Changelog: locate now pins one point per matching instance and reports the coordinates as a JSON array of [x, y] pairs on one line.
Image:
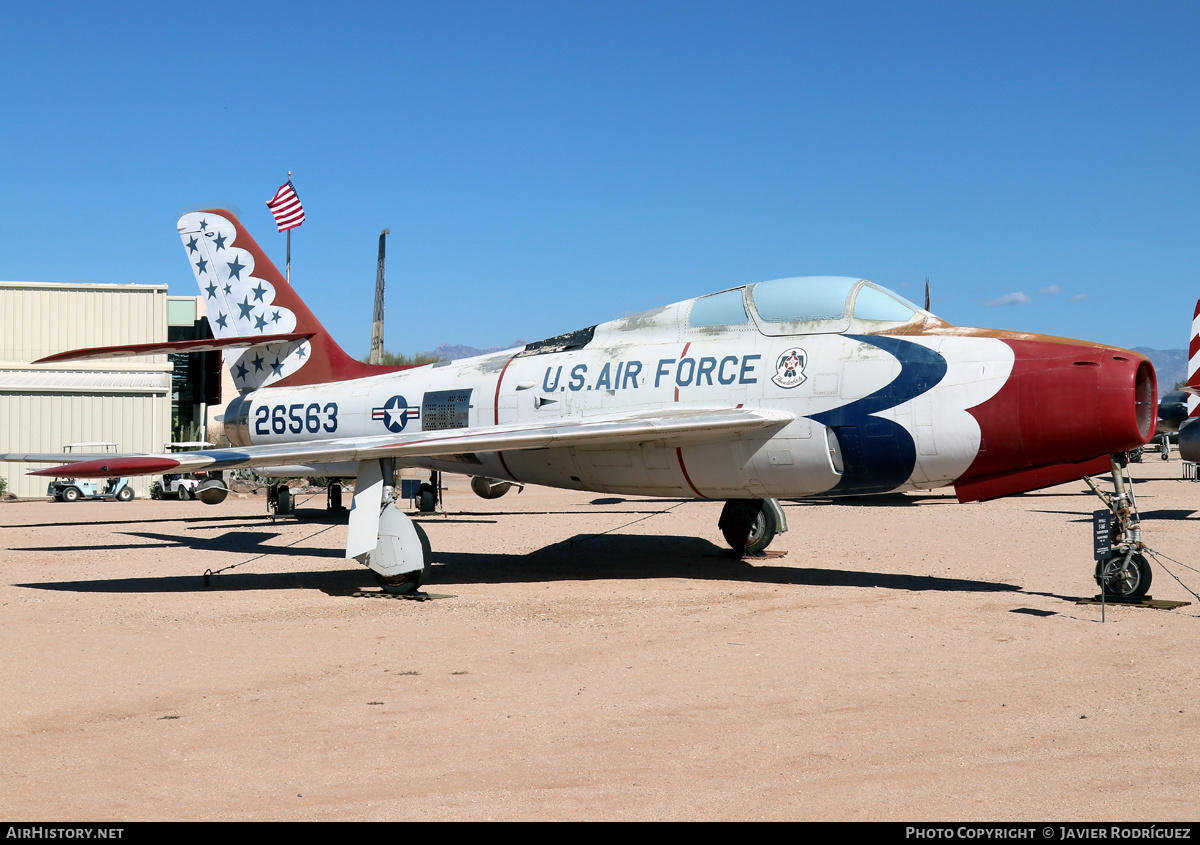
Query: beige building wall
[[46, 406]]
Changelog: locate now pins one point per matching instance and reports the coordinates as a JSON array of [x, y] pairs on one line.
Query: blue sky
[[545, 166]]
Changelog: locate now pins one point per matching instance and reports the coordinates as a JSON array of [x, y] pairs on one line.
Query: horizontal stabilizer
[[135, 349]]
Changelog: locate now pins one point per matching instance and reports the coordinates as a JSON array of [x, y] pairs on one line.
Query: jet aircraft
[[779, 389], [1172, 412], [1184, 405]]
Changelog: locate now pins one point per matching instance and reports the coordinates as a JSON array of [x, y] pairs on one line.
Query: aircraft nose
[[1065, 403]]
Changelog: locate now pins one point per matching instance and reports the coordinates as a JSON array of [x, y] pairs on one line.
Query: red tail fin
[[248, 297], [1193, 371]]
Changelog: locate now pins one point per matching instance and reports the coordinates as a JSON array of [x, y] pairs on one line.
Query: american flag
[[285, 205]]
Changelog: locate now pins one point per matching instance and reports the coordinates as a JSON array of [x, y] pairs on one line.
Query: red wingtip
[[110, 468]]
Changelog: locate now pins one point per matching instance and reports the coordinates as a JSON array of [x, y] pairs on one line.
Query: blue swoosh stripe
[[878, 454]]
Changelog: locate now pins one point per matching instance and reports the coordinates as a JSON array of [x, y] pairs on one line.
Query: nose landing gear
[[1122, 571]]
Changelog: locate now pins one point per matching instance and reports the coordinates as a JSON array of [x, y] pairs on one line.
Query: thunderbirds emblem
[[789, 369]]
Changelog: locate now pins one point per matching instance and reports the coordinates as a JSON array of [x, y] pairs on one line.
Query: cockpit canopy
[[805, 305], [800, 305]]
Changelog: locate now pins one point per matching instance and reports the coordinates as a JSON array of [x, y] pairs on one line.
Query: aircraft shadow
[[334, 582], [592, 558], [1173, 514], [873, 501], [249, 542], [187, 520], [639, 558]]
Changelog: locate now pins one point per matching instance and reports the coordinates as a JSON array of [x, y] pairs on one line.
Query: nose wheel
[[1124, 581]]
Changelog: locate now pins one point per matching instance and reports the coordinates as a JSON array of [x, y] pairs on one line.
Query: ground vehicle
[[74, 489], [182, 486]]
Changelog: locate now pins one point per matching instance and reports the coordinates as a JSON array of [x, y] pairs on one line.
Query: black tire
[[71, 494], [426, 548], [1130, 585], [747, 525], [183, 494], [125, 494], [400, 585], [426, 498], [408, 582]]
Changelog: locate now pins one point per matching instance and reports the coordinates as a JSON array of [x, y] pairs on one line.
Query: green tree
[[393, 359]]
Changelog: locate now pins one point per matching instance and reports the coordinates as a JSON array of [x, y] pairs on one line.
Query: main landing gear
[[749, 525], [395, 551], [382, 537], [1125, 574]]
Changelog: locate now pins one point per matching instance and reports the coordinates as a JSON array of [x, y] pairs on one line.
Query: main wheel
[[125, 494], [1132, 583], [748, 527], [426, 498], [400, 585], [71, 494]]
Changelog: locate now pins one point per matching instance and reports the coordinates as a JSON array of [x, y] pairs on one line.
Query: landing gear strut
[[749, 525], [429, 495], [383, 537], [1125, 574]]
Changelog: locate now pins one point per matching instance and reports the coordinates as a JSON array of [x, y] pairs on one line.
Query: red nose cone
[[1065, 403]]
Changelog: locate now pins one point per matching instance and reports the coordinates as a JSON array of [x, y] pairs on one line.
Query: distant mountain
[[453, 353], [1169, 364]]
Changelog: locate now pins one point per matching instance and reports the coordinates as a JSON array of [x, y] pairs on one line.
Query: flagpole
[[289, 245], [288, 213]]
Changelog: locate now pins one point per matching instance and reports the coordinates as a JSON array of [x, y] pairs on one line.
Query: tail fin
[[247, 297], [1193, 370]]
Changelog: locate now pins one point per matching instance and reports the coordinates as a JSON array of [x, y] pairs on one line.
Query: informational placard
[[1102, 534]]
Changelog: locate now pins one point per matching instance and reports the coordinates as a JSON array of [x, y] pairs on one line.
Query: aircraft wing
[[688, 426]]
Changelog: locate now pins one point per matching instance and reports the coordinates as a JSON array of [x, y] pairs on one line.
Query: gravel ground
[[907, 659]]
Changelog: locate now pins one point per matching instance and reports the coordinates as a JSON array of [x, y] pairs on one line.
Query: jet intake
[[1064, 404]]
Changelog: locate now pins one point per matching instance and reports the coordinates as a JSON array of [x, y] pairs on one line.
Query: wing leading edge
[[692, 426]]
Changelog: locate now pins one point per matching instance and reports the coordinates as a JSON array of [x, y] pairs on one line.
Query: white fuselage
[[657, 361]]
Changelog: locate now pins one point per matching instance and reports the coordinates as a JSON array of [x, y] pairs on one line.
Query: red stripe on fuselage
[[683, 355], [686, 477]]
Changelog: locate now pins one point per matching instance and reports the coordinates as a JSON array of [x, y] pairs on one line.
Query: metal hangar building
[[128, 401]]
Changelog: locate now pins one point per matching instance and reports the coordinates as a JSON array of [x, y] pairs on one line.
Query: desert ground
[[598, 657]]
